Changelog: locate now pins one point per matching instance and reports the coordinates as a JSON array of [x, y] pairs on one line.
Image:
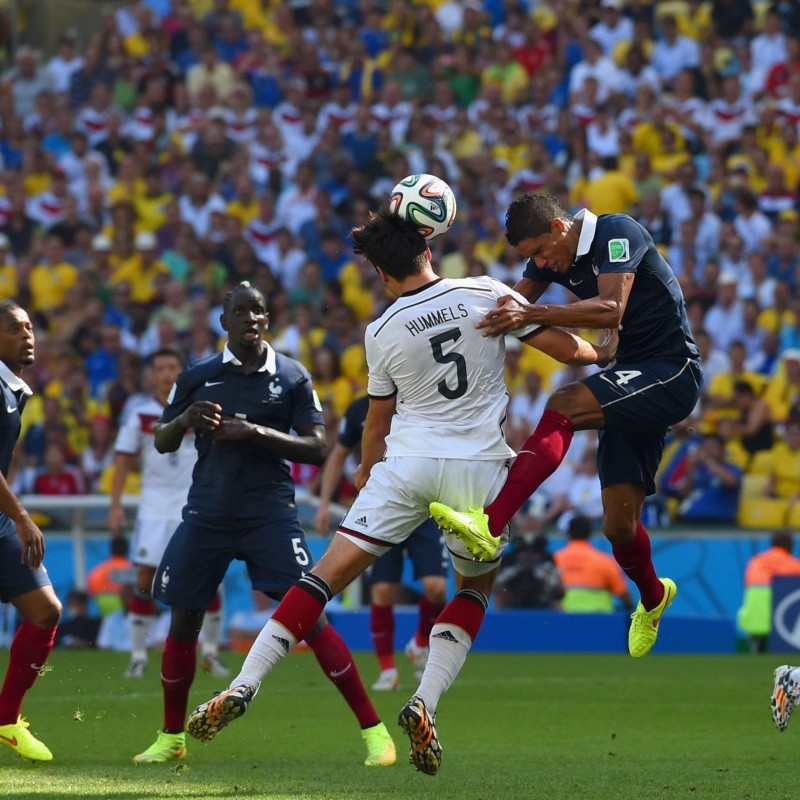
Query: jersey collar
[[588, 229], [14, 382], [228, 357]]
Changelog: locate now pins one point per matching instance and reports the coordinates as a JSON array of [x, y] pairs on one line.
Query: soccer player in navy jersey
[[23, 579], [242, 405], [621, 280]]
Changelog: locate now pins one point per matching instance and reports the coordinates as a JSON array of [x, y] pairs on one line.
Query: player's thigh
[[426, 549], [151, 534], [648, 395], [391, 505], [388, 568], [276, 554], [16, 578], [629, 457], [193, 566], [470, 484]]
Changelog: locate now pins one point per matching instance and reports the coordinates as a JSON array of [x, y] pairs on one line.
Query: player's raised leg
[[30, 648]]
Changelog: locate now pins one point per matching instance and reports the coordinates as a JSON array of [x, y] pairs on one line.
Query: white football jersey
[[166, 477], [451, 392]]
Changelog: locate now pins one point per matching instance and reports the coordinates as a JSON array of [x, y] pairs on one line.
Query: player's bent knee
[[617, 530], [185, 625]]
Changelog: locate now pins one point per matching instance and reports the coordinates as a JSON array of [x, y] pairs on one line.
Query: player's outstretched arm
[[571, 349], [603, 311], [124, 464], [376, 429]]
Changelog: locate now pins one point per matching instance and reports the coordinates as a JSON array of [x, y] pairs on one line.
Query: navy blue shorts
[[16, 578], [640, 402], [196, 559], [425, 547]]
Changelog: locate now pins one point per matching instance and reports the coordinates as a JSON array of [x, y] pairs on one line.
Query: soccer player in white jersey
[[165, 483], [434, 429]]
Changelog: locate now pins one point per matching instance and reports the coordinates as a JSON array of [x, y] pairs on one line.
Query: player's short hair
[[167, 351], [392, 243], [7, 307], [532, 215], [242, 286]]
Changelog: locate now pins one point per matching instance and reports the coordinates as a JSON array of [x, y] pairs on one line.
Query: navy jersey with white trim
[[237, 482], [655, 324]]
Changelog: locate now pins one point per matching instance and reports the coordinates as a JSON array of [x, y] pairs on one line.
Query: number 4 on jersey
[[625, 375]]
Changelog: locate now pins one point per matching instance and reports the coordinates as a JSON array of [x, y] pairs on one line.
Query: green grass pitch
[[549, 727]]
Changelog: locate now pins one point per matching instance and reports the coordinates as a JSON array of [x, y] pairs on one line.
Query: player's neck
[[414, 282]]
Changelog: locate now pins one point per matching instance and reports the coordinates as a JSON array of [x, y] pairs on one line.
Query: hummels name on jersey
[[438, 317]]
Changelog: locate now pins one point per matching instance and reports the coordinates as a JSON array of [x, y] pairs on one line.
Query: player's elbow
[[612, 313]]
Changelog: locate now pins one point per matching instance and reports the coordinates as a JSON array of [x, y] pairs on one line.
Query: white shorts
[[150, 537], [395, 500]]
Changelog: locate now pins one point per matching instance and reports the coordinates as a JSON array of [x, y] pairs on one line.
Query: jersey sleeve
[[306, 408], [129, 438], [621, 246], [501, 290], [379, 385], [180, 398], [351, 426]]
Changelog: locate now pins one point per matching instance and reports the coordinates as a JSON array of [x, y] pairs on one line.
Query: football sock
[[177, 673], [428, 614], [293, 620], [635, 559], [381, 629], [451, 638], [538, 459], [337, 663], [27, 655], [211, 632], [141, 615]]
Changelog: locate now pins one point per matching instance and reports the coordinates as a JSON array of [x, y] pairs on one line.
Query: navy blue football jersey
[[655, 324], [238, 482], [351, 428]]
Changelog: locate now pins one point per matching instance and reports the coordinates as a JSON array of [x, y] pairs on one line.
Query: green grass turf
[[549, 727]]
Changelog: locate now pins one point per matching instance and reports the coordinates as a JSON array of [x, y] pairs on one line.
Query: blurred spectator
[[57, 477], [592, 580], [111, 581], [77, 628], [755, 420], [755, 615], [709, 488]]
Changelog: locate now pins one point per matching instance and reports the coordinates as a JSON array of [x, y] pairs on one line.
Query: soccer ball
[[426, 201]]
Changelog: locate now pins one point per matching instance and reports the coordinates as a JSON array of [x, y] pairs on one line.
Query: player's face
[[246, 319], [166, 370], [551, 250], [16, 339]]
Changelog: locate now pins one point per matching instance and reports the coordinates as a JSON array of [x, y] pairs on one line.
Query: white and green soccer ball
[[426, 201]]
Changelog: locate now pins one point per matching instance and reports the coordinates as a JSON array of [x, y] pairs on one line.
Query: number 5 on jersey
[[451, 335]]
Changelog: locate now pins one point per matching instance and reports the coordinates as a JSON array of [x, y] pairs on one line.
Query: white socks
[[270, 646], [449, 647], [210, 634], [140, 625]]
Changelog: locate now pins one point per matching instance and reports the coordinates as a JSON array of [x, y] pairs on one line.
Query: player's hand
[[360, 478], [203, 415], [32, 542], [322, 519], [507, 316], [607, 348], [231, 429], [116, 518]]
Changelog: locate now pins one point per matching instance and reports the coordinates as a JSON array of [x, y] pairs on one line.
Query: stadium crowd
[[185, 146]]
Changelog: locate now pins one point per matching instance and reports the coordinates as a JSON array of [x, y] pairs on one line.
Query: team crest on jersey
[[619, 250], [275, 389]]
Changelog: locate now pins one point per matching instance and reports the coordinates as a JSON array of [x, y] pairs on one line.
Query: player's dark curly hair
[[391, 243], [531, 215], [7, 307]]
